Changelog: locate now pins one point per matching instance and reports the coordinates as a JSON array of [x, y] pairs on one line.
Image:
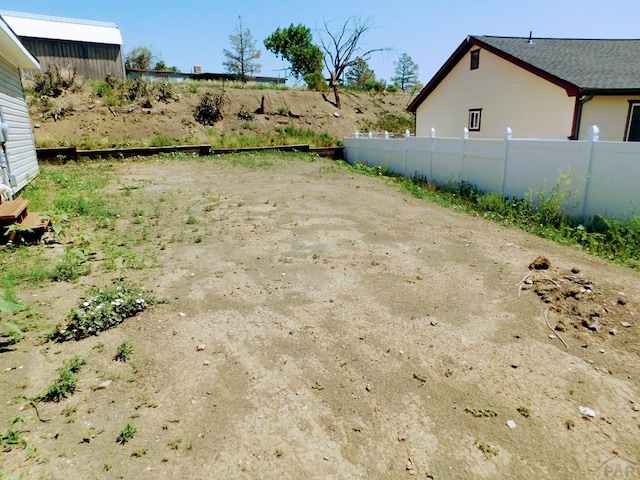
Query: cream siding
[[508, 95], [609, 113], [21, 153]]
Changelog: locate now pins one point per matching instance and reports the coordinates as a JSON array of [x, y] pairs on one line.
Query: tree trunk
[[336, 94]]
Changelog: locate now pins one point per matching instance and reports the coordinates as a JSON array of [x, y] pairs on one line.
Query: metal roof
[[60, 28], [12, 50]]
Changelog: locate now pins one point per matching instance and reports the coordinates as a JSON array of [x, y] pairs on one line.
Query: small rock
[[575, 270], [622, 301], [402, 438], [200, 347], [336, 114], [594, 325], [511, 424], [182, 314], [636, 408], [601, 350], [206, 363], [560, 327], [528, 281], [433, 322], [613, 331], [552, 336], [625, 324], [104, 384], [588, 412]]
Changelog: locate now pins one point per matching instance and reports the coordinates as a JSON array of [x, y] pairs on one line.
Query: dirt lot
[[323, 324]]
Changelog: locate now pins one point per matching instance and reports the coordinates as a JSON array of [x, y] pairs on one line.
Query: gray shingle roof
[[585, 63]]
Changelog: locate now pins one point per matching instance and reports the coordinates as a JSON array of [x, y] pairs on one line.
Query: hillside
[[97, 116]]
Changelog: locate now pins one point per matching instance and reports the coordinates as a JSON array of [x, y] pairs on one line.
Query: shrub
[[55, 80], [245, 114], [209, 110], [316, 81], [165, 92]]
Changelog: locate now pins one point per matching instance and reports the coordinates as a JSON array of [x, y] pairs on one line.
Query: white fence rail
[[604, 177]]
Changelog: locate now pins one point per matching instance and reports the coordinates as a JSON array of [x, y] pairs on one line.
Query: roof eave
[[609, 91], [13, 50], [451, 62]]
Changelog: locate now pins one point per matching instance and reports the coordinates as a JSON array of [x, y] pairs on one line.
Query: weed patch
[[103, 308]]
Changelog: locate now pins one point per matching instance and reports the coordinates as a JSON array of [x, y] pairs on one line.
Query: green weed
[[124, 351], [12, 437], [66, 382], [488, 450], [126, 434]]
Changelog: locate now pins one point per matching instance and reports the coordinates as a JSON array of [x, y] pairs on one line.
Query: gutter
[[577, 115]]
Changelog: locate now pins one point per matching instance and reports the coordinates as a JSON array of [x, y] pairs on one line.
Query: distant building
[[20, 164], [172, 76], [94, 49]]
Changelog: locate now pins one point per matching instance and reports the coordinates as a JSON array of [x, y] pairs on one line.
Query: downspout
[[577, 120]]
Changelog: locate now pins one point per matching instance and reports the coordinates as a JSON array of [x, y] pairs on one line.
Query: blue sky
[[188, 32]]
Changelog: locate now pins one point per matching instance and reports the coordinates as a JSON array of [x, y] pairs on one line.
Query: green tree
[[139, 58], [406, 73], [360, 76], [241, 60], [161, 65], [295, 45], [342, 49]]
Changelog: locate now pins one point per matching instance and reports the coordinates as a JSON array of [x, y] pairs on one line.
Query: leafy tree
[[161, 65], [241, 60], [342, 49], [295, 45], [406, 73], [139, 58], [360, 76]]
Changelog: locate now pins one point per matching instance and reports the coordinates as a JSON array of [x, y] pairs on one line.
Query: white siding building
[[22, 163]]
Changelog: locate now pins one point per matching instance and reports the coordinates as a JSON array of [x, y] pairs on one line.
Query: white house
[[19, 151]]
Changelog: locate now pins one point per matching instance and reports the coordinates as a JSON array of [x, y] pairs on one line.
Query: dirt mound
[[579, 305], [84, 119]]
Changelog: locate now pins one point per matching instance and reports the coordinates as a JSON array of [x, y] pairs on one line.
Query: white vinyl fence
[[599, 178]]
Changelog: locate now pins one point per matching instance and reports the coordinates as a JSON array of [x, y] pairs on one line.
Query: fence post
[[465, 137], [432, 136], [406, 151], [594, 136], [508, 135]]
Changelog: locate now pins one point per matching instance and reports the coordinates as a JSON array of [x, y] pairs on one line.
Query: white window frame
[[475, 119]]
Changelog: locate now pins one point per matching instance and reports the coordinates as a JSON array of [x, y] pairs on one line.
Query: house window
[[475, 115], [633, 122], [475, 59]]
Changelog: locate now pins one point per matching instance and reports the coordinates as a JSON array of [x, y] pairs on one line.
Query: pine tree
[[360, 76], [406, 72], [241, 60]]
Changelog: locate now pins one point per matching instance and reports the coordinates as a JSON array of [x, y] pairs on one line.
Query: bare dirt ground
[[330, 326]]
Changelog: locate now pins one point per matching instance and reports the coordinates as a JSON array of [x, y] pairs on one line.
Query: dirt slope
[[76, 118]]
